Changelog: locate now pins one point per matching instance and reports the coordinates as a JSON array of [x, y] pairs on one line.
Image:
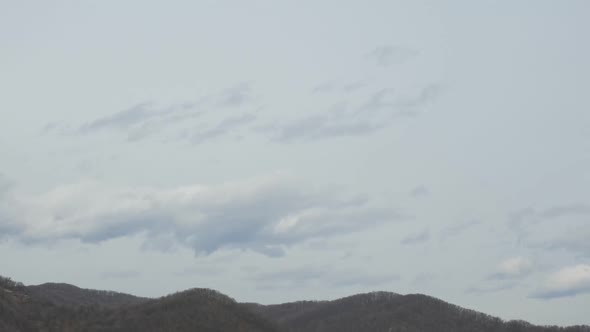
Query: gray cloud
[[566, 211], [420, 191], [5, 184], [319, 127], [416, 238], [140, 121], [391, 55], [378, 111], [235, 96], [9, 224], [519, 221], [147, 119], [569, 281], [426, 95], [221, 128], [527, 225], [508, 274], [456, 229], [122, 120], [575, 242], [265, 215]]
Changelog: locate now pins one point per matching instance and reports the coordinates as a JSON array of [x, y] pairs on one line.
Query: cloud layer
[[569, 281], [536, 228], [353, 112], [377, 111], [511, 268], [147, 119], [265, 215]]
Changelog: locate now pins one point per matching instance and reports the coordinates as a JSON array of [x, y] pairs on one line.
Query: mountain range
[[66, 308]]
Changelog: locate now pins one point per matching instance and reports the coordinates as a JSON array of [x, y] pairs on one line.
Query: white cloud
[[265, 214], [513, 268], [569, 281]]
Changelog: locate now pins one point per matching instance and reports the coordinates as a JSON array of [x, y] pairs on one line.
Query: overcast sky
[[287, 150]]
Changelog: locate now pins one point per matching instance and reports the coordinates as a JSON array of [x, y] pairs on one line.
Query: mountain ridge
[[64, 307]]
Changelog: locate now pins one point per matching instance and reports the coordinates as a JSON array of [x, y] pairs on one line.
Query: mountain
[[192, 310], [68, 295], [390, 312], [66, 308]]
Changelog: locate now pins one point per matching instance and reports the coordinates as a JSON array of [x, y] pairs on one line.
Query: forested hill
[[72, 296], [66, 308], [22, 310], [389, 312]]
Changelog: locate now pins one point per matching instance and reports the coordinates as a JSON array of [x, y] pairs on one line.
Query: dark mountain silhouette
[[67, 308], [68, 295], [389, 312]]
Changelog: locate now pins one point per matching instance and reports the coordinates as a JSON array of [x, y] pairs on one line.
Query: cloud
[[516, 267], [147, 119], [521, 218], [124, 119], [318, 127], [565, 211], [222, 128], [456, 229], [426, 95], [392, 55], [507, 275], [380, 110], [420, 191], [575, 242], [193, 119], [324, 87], [234, 96], [138, 122], [334, 276], [536, 228], [519, 221], [569, 281], [9, 220], [265, 215], [5, 184], [416, 238]]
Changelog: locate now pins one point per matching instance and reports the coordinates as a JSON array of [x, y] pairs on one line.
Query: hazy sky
[[287, 150]]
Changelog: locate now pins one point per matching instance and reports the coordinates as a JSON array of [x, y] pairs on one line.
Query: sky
[[288, 150]]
